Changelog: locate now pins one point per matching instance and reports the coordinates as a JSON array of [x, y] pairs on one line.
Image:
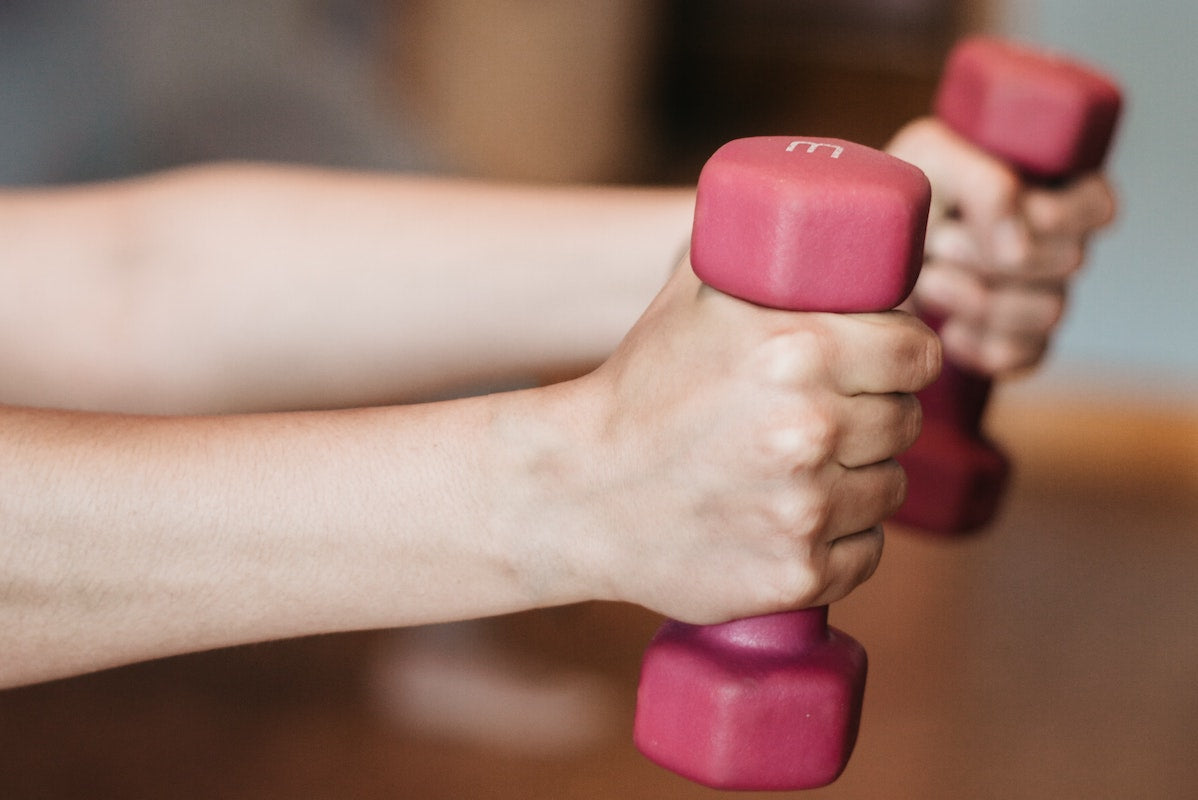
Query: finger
[[1051, 259], [965, 179], [851, 560], [881, 353], [1004, 248], [863, 497], [877, 427], [949, 240], [990, 353], [1036, 259], [847, 550], [994, 306], [947, 290], [1028, 312], [1075, 210]]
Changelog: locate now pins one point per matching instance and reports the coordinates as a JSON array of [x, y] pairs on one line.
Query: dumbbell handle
[[958, 396]]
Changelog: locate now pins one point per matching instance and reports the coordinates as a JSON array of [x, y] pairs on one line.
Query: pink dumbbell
[[1051, 119], [773, 702]]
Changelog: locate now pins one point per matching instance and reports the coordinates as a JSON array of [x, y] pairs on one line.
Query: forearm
[[128, 538], [245, 287], [725, 461]]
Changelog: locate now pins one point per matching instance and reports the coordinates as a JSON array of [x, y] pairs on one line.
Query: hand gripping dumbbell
[[773, 702], [1051, 119]]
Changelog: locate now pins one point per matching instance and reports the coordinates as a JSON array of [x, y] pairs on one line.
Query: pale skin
[[1000, 254], [721, 460]]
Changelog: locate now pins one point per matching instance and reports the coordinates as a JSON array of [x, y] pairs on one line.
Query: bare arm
[[726, 460], [244, 287]]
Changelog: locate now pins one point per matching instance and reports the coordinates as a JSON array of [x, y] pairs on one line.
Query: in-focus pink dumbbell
[[1051, 119], [773, 702]]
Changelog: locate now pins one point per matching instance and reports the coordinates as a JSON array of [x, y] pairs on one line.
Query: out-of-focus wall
[[93, 89], [551, 90], [646, 90], [1132, 327]]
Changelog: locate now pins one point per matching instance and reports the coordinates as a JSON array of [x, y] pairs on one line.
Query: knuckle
[[795, 516], [801, 446], [794, 357], [995, 190], [793, 568], [820, 432], [796, 583], [1047, 212]]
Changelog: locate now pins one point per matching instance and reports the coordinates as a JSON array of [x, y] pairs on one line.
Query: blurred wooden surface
[[1052, 657]]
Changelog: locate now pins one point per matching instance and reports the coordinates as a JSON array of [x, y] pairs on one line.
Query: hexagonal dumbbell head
[[773, 702], [1050, 118], [809, 224], [1046, 115], [767, 703]]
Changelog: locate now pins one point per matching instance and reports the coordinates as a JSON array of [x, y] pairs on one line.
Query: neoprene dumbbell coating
[[1050, 118], [802, 224]]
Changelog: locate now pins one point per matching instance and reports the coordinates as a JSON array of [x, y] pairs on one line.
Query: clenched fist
[[743, 457], [1000, 252]]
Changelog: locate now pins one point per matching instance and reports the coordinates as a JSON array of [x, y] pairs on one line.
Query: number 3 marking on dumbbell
[[813, 146]]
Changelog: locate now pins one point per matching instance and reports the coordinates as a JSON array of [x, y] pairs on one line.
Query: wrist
[[550, 511]]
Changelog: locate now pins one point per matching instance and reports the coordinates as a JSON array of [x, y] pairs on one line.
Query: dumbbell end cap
[[810, 224], [1048, 115], [749, 718]]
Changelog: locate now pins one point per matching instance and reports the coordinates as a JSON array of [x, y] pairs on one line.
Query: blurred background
[[1051, 657], [625, 90]]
